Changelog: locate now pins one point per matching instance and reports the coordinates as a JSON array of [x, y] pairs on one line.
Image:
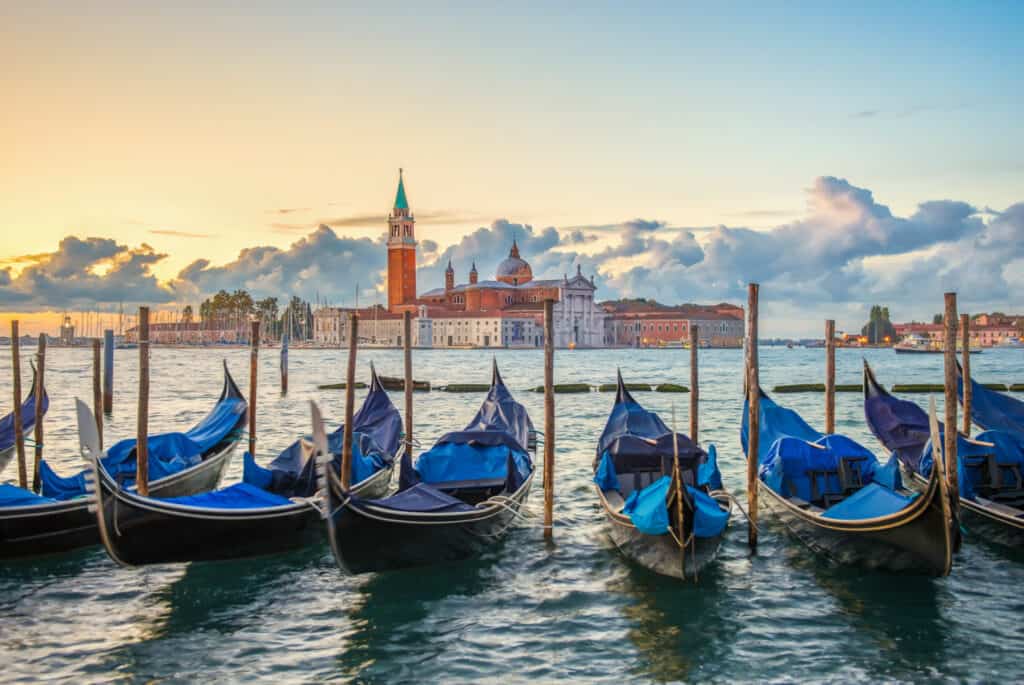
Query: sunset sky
[[843, 156]]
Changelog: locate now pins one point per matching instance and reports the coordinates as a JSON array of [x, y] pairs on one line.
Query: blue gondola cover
[[28, 418], [13, 496], [871, 501], [237, 496], [648, 510], [993, 410]]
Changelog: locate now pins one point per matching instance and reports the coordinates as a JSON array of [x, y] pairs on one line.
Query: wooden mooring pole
[[142, 424], [350, 400], [965, 337], [753, 414], [40, 391], [284, 364], [694, 384], [830, 376], [408, 384], [19, 429], [97, 390], [549, 419], [254, 376], [950, 319], [108, 371]]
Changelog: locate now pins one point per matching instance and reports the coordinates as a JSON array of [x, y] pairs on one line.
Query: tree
[[186, 314], [878, 327], [937, 319]]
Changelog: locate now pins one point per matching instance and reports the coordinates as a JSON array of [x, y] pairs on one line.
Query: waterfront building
[[631, 323]]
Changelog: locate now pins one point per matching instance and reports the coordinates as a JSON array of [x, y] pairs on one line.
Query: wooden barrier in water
[[753, 413], [19, 429], [549, 418], [254, 375], [350, 400], [142, 423], [950, 319], [965, 332], [108, 371], [830, 376], [409, 384], [97, 390]]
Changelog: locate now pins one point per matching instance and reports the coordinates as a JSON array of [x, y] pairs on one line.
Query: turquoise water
[[527, 611]]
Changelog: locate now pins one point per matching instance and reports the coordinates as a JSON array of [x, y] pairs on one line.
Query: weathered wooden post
[[108, 371], [549, 418], [40, 391], [19, 429], [694, 384], [350, 400], [254, 374], [965, 333], [284, 364], [753, 414], [830, 376], [950, 319], [408, 385], [97, 390], [142, 425]]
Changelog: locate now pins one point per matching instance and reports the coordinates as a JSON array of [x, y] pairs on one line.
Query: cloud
[[321, 263], [178, 234], [85, 273]]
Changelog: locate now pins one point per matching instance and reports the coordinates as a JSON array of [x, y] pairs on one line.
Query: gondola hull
[[63, 526], [138, 530], [915, 540], [661, 553], [987, 522], [367, 539]]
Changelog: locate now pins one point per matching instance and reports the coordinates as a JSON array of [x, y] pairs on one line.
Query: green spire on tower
[[400, 201]]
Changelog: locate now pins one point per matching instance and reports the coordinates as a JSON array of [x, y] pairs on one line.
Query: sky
[[842, 156]]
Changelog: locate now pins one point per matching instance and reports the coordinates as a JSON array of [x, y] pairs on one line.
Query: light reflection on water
[[526, 610]]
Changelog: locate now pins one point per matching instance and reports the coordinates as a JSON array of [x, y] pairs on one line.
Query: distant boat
[[1013, 343], [916, 344]]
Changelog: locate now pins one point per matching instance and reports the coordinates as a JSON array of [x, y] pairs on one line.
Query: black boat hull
[[918, 539], [661, 553], [1004, 529], [137, 531], [64, 526], [366, 539]]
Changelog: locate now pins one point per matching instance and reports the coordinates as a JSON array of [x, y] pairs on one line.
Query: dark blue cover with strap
[[492, 447], [900, 425], [28, 416], [169, 453], [376, 436], [990, 409], [798, 461]]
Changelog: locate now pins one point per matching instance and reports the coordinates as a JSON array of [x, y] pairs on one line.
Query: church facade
[[505, 311]]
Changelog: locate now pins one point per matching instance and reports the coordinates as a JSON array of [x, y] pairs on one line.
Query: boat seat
[[825, 493], [802, 503], [851, 477]]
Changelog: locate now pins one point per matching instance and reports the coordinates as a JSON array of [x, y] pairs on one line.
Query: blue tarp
[[377, 433], [491, 447], [169, 453], [993, 410], [28, 417], [237, 496], [900, 425], [423, 498], [453, 462], [605, 476], [13, 496], [789, 449], [871, 501], [973, 467], [648, 510]]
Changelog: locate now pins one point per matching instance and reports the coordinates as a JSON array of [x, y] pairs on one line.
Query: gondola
[[835, 496], [635, 478], [180, 464], [28, 422], [272, 510], [989, 465], [991, 409], [461, 497]]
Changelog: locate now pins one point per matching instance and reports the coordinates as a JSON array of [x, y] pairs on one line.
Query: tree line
[[233, 310]]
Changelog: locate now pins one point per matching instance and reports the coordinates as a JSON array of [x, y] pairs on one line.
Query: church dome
[[514, 270]]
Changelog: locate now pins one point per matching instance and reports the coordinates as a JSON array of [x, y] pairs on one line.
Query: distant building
[[631, 323], [986, 331], [67, 331]]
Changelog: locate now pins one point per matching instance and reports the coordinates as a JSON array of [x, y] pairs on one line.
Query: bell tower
[[401, 251]]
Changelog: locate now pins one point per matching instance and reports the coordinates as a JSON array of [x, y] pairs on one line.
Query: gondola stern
[[231, 389]]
